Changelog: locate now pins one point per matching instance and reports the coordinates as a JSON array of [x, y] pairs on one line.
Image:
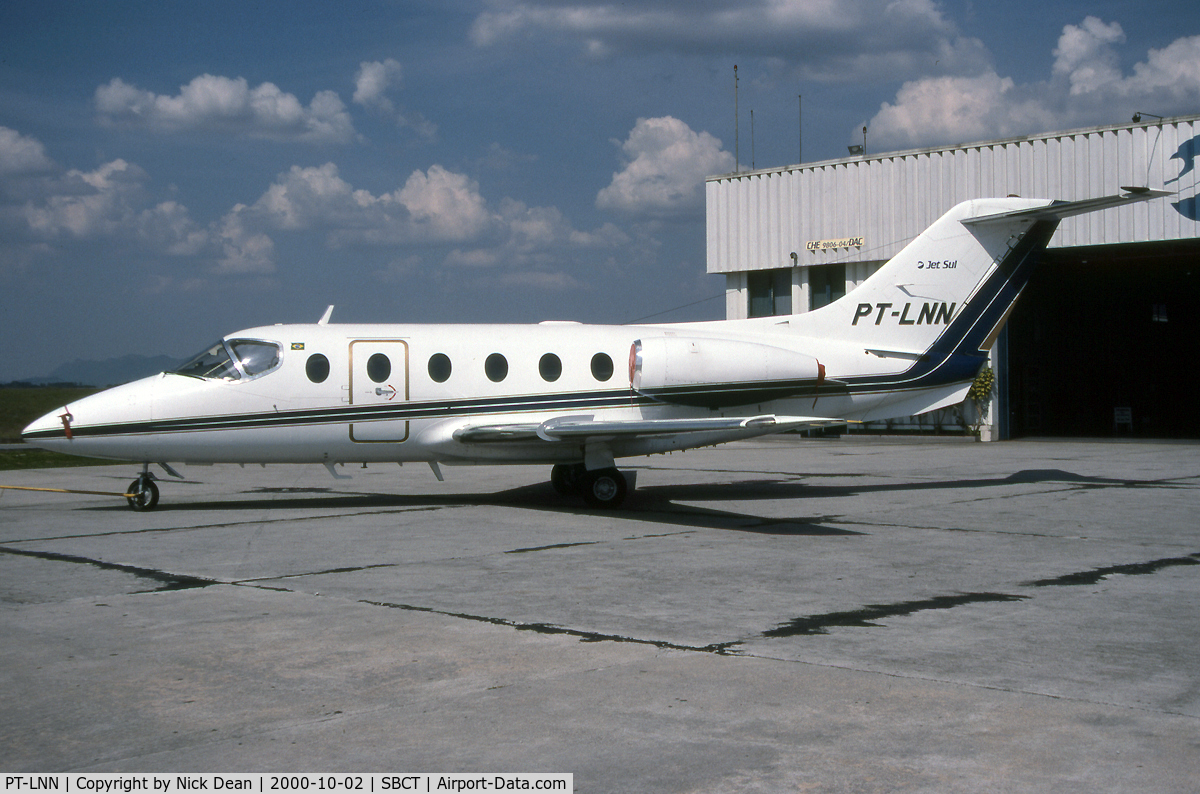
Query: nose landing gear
[[143, 493]]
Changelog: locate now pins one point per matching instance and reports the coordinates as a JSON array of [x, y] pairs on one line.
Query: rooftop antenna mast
[[800, 128], [736, 149]]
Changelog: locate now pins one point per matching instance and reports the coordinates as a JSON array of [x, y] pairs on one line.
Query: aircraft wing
[[582, 428]]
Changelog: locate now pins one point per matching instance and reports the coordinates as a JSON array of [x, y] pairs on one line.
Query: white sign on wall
[[830, 245]]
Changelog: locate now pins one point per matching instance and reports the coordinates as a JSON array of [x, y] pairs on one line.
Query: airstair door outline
[[378, 379]]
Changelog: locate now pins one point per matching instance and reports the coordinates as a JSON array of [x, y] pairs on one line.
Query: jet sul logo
[[1187, 154]]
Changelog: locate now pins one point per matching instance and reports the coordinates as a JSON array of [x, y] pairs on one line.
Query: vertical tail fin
[[951, 289]]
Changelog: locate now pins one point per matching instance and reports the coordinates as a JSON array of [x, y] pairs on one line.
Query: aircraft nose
[[51, 430], [93, 425]]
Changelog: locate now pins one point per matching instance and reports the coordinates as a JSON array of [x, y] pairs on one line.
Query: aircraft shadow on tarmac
[[660, 504]]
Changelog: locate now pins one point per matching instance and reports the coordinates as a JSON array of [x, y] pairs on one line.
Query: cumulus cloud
[[168, 226], [665, 166], [434, 208], [443, 205], [243, 251], [89, 203], [373, 81], [849, 40], [110, 203], [1085, 57], [437, 205], [20, 154], [372, 84], [434, 211], [1084, 86], [957, 109], [227, 105]]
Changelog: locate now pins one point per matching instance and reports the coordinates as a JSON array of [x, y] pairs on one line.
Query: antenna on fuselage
[[325, 317]]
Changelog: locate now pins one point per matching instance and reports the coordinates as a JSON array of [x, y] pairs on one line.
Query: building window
[[770, 292], [826, 283]]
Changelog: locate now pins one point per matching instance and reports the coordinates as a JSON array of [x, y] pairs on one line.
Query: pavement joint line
[[858, 618], [862, 616], [348, 569], [719, 649], [1096, 575], [227, 524], [170, 581]]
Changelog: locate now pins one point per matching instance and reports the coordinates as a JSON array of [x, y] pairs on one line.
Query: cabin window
[[439, 367], [602, 366], [379, 367], [317, 368], [496, 367], [550, 367]]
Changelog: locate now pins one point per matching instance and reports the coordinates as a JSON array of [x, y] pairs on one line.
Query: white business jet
[[910, 339]]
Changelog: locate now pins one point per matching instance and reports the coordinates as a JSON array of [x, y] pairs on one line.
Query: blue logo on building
[[1187, 154]]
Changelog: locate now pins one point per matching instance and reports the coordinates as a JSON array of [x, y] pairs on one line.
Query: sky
[[173, 172]]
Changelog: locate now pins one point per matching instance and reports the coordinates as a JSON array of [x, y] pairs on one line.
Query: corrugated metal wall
[[756, 220]]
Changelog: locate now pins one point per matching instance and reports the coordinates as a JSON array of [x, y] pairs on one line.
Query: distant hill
[[109, 372]]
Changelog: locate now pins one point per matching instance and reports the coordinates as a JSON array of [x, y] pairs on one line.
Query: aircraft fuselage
[[368, 393]]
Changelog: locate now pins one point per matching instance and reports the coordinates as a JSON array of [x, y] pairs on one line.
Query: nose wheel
[[143, 493]]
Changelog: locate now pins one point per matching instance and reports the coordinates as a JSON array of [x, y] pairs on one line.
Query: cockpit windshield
[[233, 360], [255, 358]]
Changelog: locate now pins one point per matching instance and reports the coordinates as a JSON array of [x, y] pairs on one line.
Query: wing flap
[[582, 428]]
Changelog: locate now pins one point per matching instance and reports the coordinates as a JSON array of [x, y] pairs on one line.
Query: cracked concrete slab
[[771, 615]]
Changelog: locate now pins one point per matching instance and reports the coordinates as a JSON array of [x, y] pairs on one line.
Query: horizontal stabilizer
[[905, 354], [1065, 209]]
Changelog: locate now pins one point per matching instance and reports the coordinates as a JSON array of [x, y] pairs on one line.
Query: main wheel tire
[[566, 477], [604, 488], [145, 494]]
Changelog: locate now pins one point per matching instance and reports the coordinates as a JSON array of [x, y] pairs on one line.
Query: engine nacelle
[[715, 373]]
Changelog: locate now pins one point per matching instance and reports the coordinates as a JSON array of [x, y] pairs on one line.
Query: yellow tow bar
[[66, 490]]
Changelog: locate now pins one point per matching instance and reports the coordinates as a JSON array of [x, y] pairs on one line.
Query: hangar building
[[1104, 339]]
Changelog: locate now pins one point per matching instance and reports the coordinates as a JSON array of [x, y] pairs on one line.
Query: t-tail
[[938, 305]]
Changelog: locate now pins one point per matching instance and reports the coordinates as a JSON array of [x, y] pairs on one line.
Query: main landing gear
[[600, 488]]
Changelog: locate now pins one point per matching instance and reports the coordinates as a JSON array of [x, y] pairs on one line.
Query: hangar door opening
[[1104, 342]]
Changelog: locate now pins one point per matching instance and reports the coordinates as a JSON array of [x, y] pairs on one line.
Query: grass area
[[34, 458], [21, 405]]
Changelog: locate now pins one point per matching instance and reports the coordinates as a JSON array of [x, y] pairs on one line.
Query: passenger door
[[379, 379]]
